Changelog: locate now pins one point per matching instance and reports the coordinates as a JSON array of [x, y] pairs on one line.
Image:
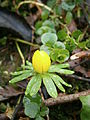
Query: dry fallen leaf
[[7, 92]]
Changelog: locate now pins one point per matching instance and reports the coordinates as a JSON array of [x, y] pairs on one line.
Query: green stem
[[25, 42], [20, 53], [68, 32]]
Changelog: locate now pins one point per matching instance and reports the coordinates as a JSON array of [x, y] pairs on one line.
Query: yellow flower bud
[[41, 61]]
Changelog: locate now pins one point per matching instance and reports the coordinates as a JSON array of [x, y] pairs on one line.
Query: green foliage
[[59, 45], [44, 111], [51, 89], [70, 44], [51, 3], [3, 40], [62, 35], [45, 29], [48, 79], [49, 39], [58, 9], [31, 109], [33, 85], [45, 15], [57, 79], [59, 69], [34, 108], [85, 112], [46, 49], [57, 82], [78, 2], [88, 43], [68, 18], [21, 77], [82, 44], [76, 33], [59, 55], [54, 48], [3, 107], [68, 7], [49, 24], [38, 24], [39, 118]]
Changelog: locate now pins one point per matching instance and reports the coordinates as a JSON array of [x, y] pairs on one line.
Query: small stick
[[65, 98], [77, 77], [78, 64], [42, 96], [35, 3], [43, 100], [17, 108]]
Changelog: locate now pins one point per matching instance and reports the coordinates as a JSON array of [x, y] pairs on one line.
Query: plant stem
[[20, 53], [68, 32], [35, 3], [25, 42]]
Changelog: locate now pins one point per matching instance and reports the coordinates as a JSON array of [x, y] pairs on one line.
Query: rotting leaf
[[7, 92]]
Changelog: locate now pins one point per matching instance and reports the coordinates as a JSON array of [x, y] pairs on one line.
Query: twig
[[65, 98], [17, 108], [20, 53], [42, 96], [85, 13], [77, 77], [35, 3], [84, 61]]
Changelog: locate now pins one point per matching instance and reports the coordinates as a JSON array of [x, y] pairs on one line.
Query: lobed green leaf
[[67, 7], [45, 29], [31, 108], [59, 45], [59, 55], [49, 38]]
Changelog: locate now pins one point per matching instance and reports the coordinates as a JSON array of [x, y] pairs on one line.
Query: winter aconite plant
[[41, 70]]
